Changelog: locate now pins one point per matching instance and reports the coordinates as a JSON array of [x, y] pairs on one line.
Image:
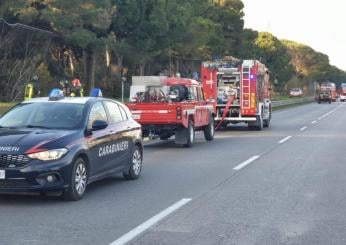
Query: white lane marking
[[303, 128], [313, 122], [284, 139], [330, 112], [150, 222], [247, 162]]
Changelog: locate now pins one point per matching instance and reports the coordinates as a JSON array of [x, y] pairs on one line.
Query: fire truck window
[[154, 94], [200, 94], [192, 93], [180, 91]]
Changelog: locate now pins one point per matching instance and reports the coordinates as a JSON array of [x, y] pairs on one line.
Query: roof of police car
[[71, 100]]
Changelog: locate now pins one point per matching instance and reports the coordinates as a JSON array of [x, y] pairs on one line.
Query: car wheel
[[78, 181], [136, 165], [190, 134], [209, 130]]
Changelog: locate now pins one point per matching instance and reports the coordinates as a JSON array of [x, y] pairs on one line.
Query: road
[[282, 185]]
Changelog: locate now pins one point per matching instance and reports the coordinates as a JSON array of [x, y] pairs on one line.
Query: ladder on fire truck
[[245, 87]]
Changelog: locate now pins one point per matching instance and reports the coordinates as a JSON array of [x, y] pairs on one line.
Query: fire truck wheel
[[258, 125], [266, 123], [190, 134], [209, 130]]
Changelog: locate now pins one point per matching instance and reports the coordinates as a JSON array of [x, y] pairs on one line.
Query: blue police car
[[63, 144]]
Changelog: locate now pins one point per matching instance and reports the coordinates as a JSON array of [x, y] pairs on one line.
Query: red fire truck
[[330, 87], [167, 106], [239, 90], [342, 92]]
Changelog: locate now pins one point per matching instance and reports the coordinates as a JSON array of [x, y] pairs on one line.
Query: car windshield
[[44, 115]]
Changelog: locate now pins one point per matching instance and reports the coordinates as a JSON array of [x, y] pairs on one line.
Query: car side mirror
[[98, 125]]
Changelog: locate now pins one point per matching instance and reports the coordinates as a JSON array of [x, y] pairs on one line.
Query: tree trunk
[[141, 69], [90, 69]]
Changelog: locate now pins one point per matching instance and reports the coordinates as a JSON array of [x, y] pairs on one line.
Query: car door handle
[[112, 132]]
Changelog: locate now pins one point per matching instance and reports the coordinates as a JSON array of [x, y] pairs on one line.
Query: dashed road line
[[150, 222], [313, 122], [303, 128], [284, 139], [245, 163]]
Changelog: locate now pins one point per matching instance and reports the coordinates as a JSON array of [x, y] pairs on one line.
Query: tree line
[[105, 41]]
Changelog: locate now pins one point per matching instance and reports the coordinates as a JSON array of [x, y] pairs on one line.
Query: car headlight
[[48, 155]]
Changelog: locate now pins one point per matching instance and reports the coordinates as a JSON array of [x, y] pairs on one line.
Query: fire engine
[[167, 106], [330, 87], [239, 90], [342, 92]]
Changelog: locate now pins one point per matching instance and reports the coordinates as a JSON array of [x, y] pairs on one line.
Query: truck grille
[[17, 160]]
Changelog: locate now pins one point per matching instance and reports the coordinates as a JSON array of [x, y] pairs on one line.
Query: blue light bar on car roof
[[56, 94], [96, 92]]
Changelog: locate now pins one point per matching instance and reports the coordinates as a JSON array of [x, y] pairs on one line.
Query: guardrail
[[292, 101]]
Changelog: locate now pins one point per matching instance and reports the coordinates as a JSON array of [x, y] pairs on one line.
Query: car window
[[97, 112], [114, 112], [123, 112]]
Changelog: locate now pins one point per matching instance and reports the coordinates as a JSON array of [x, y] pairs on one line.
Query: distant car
[[296, 92], [325, 96], [63, 144]]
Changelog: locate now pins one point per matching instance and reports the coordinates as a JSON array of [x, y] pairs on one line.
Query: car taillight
[[178, 112]]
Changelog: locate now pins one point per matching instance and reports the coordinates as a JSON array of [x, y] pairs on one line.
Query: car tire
[[190, 134], [209, 130], [136, 165], [78, 181]]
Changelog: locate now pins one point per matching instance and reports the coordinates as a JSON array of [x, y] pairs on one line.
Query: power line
[[30, 28]]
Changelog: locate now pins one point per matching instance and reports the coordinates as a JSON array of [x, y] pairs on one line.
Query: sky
[[319, 24]]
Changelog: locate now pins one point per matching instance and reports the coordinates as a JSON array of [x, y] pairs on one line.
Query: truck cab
[[325, 95], [170, 106]]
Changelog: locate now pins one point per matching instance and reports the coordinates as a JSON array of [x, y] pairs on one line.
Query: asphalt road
[[246, 187]]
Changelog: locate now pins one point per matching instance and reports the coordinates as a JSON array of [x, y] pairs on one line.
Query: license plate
[[2, 174], [136, 116]]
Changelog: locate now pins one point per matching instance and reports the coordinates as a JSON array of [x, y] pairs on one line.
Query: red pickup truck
[[167, 106]]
